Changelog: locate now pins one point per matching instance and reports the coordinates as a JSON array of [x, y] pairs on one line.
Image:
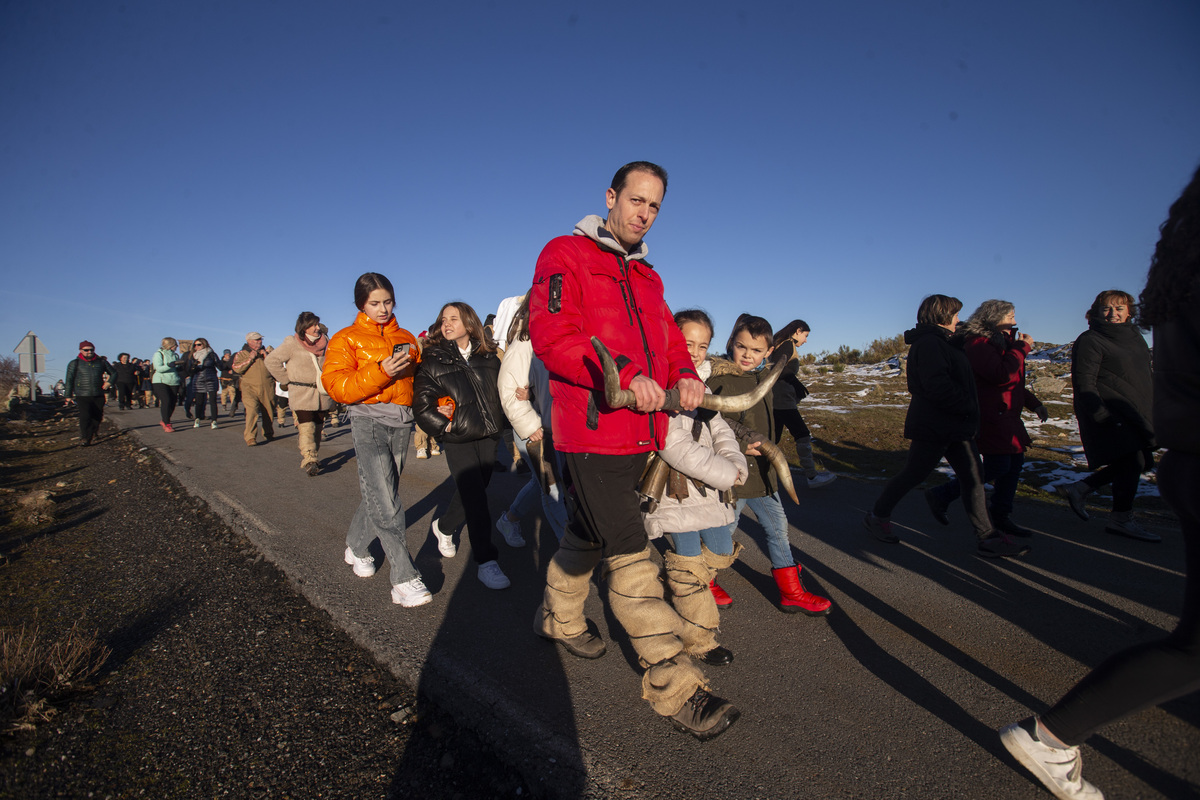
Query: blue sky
[[210, 168]]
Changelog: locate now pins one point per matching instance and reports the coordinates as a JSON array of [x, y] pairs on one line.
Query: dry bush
[[10, 374], [34, 672], [883, 349]]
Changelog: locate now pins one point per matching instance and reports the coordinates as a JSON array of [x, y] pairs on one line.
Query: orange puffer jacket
[[352, 373]]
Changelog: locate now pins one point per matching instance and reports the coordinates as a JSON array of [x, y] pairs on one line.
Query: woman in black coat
[[942, 420], [457, 403], [1114, 397], [203, 368]]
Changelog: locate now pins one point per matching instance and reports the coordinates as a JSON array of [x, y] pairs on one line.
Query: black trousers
[[923, 457], [165, 394], [1152, 673], [602, 501], [470, 465], [91, 412], [124, 395], [1123, 474]]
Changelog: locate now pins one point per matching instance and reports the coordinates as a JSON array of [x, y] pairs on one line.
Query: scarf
[[317, 348]]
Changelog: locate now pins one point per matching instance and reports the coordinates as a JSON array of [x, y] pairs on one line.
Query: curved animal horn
[[769, 449], [616, 397]]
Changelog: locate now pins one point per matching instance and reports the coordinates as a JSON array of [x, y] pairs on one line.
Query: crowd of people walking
[[646, 436]]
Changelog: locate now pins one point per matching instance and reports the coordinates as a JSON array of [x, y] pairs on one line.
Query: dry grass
[[35, 672]]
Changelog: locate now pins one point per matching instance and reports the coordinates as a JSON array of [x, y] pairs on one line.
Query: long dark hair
[[1174, 276], [789, 330], [470, 321]]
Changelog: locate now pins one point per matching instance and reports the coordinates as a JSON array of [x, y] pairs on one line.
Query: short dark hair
[[938, 309], [696, 315], [367, 283], [307, 319], [757, 327], [789, 330], [618, 181]]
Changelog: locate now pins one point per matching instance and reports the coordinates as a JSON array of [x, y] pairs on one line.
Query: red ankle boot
[[720, 595], [793, 597]]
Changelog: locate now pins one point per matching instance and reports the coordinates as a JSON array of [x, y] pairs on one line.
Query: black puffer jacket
[[944, 407], [86, 378], [1177, 381], [470, 383], [1114, 391]]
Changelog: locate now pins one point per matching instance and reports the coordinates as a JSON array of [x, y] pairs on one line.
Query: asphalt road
[[897, 693]]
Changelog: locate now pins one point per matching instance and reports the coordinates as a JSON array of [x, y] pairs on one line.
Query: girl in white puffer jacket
[[706, 462]]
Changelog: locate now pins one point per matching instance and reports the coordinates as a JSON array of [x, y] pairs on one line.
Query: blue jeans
[[719, 540], [379, 450], [552, 504], [770, 515]]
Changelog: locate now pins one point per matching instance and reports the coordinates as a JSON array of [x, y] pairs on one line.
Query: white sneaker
[[435, 451], [422, 453], [821, 479], [1130, 528], [1058, 769], [445, 541], [214, 425], [411, 594], [492, 576], [363, 567], [196, 424], [511, 531]]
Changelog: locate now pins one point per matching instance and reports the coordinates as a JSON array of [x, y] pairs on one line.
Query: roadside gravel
[[223, 681]]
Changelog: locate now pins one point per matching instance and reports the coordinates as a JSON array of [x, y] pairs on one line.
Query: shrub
[[883, 349], [838, 366], [10, 374], [35, 672]]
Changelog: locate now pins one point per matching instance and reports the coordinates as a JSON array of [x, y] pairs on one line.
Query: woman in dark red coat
[[997, 354]]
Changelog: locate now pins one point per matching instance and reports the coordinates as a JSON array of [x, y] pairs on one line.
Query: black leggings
[[789, 418], [923, 457], [1147, 674], [1123, 474], [470, 465], [165, 394]]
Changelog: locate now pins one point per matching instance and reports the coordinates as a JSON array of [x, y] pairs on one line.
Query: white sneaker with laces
[[1058, 769], [821, 479], [196, 424], [492, 576], [445, 541], [511, 531], [411, 594], [214, 425], [363, 567], [422, 452]]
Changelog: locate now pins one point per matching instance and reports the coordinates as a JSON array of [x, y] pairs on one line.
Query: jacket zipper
[[630, 305]]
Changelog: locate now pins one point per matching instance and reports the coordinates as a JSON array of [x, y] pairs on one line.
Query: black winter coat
[[1177, 381], [125, 373], [944, 407], [1114, 391], [443, 372], [205, 372]]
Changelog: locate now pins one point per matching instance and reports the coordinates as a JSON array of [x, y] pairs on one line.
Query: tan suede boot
[[688, 578], [306, 433]]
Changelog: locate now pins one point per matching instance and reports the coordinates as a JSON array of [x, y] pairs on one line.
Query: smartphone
[[401, 349]]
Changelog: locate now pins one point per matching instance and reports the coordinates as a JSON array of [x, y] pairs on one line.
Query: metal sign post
[[32, 354]]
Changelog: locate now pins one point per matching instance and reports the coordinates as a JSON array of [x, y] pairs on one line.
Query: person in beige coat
[[296, 364], [258, 388]]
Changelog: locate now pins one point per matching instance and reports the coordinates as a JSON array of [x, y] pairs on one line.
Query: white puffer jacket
[[522, 368], [715, 460]]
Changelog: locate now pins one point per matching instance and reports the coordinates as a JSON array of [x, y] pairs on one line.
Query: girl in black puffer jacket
[[457, 403]]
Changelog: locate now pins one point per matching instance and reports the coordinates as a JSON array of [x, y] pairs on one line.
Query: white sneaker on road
[[1058, 769], [492, 576], [445, 541], [411, 593], [363, 567], [511, 531], [821, 479]]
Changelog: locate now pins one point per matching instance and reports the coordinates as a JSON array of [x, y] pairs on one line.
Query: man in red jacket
[[598, 283]]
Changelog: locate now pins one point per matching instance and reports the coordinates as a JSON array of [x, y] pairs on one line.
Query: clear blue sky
[[184, 169]]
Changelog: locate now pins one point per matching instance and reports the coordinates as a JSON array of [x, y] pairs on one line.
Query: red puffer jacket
[[999, 368], [582, 290]]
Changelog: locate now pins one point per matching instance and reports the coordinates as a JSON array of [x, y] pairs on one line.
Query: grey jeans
[[380, 450]]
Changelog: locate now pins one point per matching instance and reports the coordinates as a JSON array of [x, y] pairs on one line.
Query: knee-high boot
[[306, 433], [688, 579], [568, 580], [635, 595]]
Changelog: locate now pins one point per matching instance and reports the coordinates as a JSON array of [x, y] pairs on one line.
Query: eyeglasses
[[87, 350], [197, 345]]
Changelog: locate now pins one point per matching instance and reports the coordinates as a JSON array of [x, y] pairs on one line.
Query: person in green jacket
[[165, 381]]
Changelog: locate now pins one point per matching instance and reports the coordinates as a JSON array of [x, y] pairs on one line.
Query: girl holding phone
[[364, 371]]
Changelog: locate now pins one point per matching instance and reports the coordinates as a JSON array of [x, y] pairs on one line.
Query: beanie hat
[[86, 343]]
